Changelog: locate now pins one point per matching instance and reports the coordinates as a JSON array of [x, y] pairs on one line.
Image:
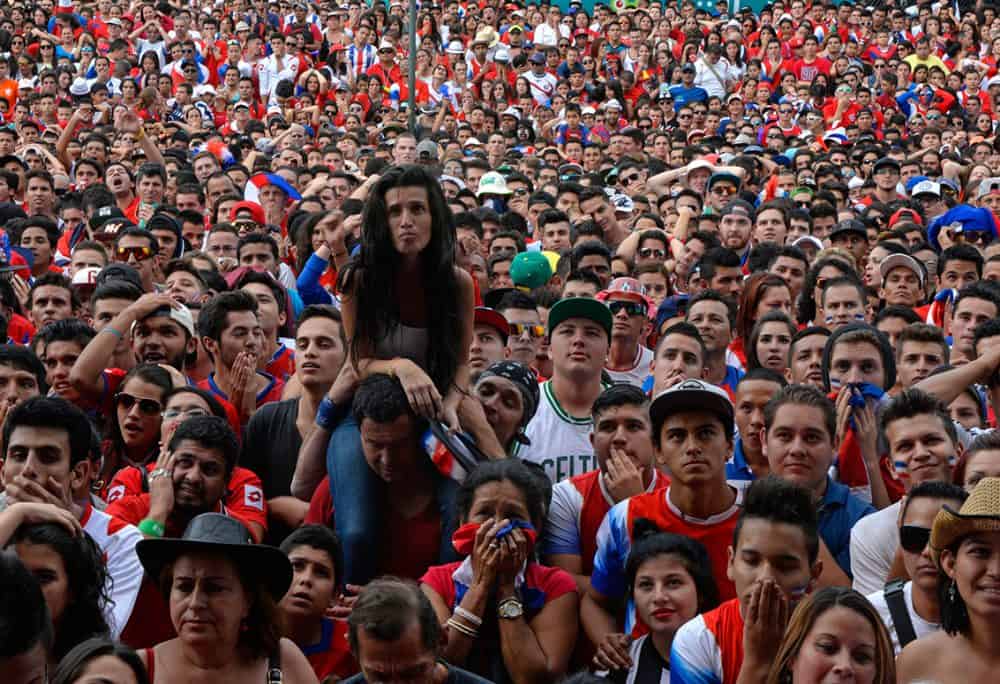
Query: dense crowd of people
[[656, 343]]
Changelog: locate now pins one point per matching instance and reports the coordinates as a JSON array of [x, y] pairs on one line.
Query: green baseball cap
[[580, 307], [530, 270]]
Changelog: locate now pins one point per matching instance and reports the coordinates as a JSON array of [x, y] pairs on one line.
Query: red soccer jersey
[[244, 500], [715, 534], [282, 364], [408, 546], [331, 655], [271, 392]]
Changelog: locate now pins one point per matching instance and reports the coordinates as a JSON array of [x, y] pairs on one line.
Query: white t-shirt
[[560, 443], [546, 35], [639, 371], [543, 86], [874, 540], [920, 626]]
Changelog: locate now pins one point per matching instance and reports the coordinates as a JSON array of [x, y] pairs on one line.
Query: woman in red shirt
[[499, 601]]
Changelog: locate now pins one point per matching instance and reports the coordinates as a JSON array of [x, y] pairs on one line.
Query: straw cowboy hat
[[486, 35], [979, 513]]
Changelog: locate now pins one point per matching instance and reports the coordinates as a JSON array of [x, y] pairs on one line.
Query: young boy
[[773, 563], [314, 552]]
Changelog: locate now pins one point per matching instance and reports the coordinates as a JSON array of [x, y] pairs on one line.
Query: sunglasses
[[521, 192], [140, 253], [535, 331], [149, 407], [632, 178], [647, 252], [630, 308], [977, 237], [246, 226], [914, 539], [723, 191]]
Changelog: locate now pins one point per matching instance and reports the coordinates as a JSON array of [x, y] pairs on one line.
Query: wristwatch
[[510, 609]]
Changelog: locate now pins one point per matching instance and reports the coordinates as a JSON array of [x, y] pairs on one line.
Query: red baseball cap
[[256, 211]]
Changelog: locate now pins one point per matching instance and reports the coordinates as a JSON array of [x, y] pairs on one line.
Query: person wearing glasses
[[138, 248], [131, 485], [922, 443], [628, 360], [912, 609], [526, 331], [722, 188]]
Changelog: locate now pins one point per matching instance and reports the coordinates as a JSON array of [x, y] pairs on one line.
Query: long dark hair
[[371, 276], [750, 348], [73, 664], [87, 576], [807, 304], [147, 372]]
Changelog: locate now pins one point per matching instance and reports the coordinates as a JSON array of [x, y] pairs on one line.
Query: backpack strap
[[901, 621], [274, 667]]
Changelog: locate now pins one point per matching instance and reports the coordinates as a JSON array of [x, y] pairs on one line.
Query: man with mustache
[[191, 476]]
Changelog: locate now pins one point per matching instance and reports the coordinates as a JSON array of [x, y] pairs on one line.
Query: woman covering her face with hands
[[508, 617]]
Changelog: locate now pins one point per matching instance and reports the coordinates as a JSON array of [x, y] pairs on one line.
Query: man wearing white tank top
[[580, 335]]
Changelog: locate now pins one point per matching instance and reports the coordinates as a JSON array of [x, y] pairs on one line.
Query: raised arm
[[85, 376], [948, 385]]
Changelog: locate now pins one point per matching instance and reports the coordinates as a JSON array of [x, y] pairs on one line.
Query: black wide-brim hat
[[214, 532]]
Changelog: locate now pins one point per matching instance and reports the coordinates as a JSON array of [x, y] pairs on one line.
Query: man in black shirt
[[275, 432]]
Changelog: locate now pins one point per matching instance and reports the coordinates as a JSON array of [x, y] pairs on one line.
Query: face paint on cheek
[[796, 594], [859, 317], [835, 383]]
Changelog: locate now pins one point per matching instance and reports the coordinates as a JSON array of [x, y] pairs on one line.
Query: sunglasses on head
[[149, 407], [914, 539], [518, 329], [140, 253], [630, 308]]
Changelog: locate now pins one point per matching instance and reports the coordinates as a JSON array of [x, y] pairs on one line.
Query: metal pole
[[411, 101]]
